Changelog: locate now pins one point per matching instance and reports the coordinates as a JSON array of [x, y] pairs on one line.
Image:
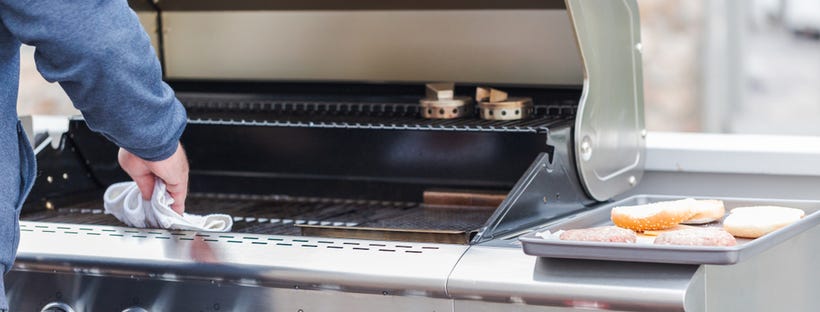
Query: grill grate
[[363, 115], [257, 241], [282, 215]]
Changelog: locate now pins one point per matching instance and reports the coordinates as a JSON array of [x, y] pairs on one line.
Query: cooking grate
[[283, 215], [366, 115]]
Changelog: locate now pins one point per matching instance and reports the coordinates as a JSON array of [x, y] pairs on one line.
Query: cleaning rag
[[124, 201]]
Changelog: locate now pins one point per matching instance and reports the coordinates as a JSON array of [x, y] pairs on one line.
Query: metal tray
[[642, 252]]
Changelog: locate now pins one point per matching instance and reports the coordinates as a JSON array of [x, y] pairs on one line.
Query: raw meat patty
[[697, 237], [611, 234]]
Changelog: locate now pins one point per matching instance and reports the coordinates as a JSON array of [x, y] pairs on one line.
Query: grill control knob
[[57, 307]]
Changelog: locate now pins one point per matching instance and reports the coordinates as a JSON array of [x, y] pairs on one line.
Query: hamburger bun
[[756, 221], [706, 211], [654, 216]]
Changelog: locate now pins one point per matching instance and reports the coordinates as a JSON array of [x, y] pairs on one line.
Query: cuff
[[161, 152]]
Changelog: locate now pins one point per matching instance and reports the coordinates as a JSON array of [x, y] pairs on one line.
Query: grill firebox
[[330, 160]]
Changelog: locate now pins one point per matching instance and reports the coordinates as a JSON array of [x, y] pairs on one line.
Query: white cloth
[[124, 201]]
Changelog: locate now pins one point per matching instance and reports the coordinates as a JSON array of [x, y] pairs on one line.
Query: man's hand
[[173, 171]]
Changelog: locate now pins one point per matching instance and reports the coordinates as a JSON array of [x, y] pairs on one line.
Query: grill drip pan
[[641, 252]]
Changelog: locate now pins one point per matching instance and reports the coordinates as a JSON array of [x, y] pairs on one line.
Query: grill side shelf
[[644, 252]]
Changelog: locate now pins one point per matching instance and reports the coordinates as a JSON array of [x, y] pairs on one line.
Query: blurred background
[[732, 66], [721, 66]]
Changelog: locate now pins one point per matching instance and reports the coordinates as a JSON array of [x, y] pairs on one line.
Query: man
[[102, 58]]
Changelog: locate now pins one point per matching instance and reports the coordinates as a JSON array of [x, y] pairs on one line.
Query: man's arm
[[100, 55]]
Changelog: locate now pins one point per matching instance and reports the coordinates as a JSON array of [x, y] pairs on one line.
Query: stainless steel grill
[[345, 198]]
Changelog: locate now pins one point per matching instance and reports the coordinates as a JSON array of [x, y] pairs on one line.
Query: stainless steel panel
[[507, 275], [30, 291], [498, 46], [276, 261], [609, 145], [735, 185], [479, 306], [733, 154], [495, 277], [784, 278], [499, 277]]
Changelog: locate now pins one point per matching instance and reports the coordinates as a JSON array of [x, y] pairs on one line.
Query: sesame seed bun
[[654, 216]]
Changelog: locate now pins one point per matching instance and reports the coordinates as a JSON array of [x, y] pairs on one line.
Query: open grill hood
[[593, 46]]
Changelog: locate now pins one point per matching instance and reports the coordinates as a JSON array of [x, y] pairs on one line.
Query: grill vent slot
[[259, 241]]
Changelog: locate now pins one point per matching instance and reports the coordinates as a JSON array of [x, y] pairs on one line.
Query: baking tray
[[641, 252]]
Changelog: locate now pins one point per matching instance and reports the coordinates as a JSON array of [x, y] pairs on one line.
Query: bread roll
[[654, 216], [706, 211], [756, 221]]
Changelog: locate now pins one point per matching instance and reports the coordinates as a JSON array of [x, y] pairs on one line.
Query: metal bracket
[[549, 189]]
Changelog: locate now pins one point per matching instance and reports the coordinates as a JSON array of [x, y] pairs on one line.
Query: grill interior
[[336, 160]]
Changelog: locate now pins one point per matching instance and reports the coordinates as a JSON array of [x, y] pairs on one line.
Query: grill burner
[[445, 108], [441, 103], [510, 109], [495, 105]]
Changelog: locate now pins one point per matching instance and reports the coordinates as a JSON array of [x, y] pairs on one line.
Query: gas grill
[[307, 128]]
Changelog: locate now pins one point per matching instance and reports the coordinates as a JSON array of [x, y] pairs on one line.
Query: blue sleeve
[[103, 59]]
